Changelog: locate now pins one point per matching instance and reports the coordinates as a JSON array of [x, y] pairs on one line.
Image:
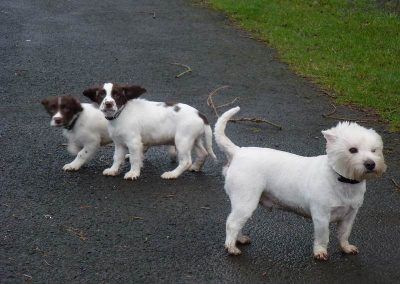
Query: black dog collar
[[116, 114], [347, 180], [72, 124]]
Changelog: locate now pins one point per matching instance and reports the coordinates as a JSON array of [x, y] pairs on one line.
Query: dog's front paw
[[169, 175], [233, 250], [195, 168], [321, 254], [110, 172], [132, 175], [244, 240], [71, 167], [349, 249]]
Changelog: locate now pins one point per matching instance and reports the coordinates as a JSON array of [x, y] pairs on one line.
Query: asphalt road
[[60, 227]]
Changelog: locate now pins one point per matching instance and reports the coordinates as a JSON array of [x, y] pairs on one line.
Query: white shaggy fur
[[143, 123], [306, 185], [89, 133]]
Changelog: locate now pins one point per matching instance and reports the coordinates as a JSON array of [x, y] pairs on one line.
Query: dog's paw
[[321, 255], [349, 249], [244, 240], [169, 175], [132, 175], [233, 250], [195, 168], [71, 167], [110, 172]]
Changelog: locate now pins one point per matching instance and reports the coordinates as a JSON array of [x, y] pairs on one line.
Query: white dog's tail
[[208, 138], [223, 142]]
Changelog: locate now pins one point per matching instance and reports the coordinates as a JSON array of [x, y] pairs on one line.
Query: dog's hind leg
[[172, 153], [83, 156], [184, 147], [241, 212], [201, 155], [243, 239]]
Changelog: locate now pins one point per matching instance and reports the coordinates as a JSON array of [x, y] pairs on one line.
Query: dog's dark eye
[[373, 150], [353, 150]]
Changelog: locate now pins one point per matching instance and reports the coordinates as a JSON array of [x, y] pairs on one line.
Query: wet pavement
[[84, 227]]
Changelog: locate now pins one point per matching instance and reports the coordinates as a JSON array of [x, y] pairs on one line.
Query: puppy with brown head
[[83, 125], [136, 124], [64, 110]]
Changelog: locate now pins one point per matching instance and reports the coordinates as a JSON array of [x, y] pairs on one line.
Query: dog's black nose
[[369, 165], [58, 120], [108, 104]]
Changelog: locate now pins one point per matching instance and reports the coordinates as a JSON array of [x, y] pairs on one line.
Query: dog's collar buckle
[[72, 124]]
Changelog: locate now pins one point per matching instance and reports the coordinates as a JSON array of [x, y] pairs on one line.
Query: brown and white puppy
[[84, 126], [135, 124]]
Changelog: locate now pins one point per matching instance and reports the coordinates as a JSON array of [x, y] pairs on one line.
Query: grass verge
[[351, 48]]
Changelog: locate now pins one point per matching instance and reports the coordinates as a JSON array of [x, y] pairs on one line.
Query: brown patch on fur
[[96, 94], [203, 117], [169, 104], [172, 104], [122, 94], [68, 107]]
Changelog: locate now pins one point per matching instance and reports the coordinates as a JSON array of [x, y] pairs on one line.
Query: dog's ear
[[74, 104], [330, 136], [133, 92], [45, 102], [92, 94]]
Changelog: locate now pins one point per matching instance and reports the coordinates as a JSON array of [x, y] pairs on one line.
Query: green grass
[[350, 48]]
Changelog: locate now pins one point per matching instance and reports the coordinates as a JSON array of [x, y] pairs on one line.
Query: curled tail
[[223, 142], [208, 139]]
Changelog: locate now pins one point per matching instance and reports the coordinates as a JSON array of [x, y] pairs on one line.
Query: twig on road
[[227, 104], [188, 69], [256, 120], [333, 96], [210, 103], [396, 185], [148, 13], [331, 112], [76, 232], [332, 116], [136, 218], [27, 276]]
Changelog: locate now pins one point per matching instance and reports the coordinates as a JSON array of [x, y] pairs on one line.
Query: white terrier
[[327, 188]]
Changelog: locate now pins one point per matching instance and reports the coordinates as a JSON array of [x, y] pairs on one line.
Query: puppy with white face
[[83, 125], [136, 124], [327, 188]]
